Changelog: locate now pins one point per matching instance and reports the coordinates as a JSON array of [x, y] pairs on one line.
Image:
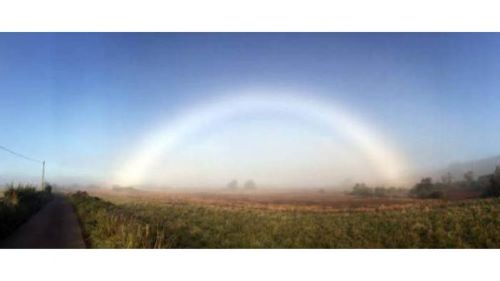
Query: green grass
[[467, 224]]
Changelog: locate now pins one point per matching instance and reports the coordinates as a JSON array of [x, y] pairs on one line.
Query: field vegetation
[[136, 222]]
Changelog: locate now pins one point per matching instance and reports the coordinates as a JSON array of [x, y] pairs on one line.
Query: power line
[[20, 155], [42, 185]]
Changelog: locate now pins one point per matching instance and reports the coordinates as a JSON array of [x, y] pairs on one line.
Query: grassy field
[[139, 222]]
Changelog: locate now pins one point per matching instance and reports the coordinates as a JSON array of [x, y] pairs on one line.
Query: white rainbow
[[386, 159]]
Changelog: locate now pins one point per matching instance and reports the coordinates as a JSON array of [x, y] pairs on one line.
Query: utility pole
[[43, 175]]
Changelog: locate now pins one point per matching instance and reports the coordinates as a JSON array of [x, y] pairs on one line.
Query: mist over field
[[282, 110]]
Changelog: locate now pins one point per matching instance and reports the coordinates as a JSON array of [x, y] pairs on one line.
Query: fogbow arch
[[388, 161]]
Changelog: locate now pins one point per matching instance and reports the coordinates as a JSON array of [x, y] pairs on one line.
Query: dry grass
[[271, 220]]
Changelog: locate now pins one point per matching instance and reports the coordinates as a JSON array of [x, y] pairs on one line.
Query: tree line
[[485, 186]]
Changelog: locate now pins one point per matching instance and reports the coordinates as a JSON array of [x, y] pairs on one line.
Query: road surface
[[54, 227]]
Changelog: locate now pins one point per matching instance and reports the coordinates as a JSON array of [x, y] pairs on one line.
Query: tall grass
[[470, 224], [106, 225]]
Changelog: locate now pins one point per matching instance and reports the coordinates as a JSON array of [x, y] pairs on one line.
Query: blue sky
[[81, 101]]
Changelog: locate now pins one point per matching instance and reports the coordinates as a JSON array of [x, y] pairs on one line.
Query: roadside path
[[55, 226]]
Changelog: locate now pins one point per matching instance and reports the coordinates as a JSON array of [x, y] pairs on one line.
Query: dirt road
[[55, 226]]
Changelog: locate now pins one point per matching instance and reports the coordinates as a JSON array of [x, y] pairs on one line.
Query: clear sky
[[84, 102]]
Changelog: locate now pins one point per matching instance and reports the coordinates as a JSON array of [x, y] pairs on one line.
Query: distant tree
[[250, 184], [360, 189], [469, 177], [423, 188], [493, 189], [232, 184], [426, 189]]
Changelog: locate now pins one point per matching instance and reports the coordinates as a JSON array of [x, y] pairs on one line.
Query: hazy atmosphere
[[249, 140], [283, 110]]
